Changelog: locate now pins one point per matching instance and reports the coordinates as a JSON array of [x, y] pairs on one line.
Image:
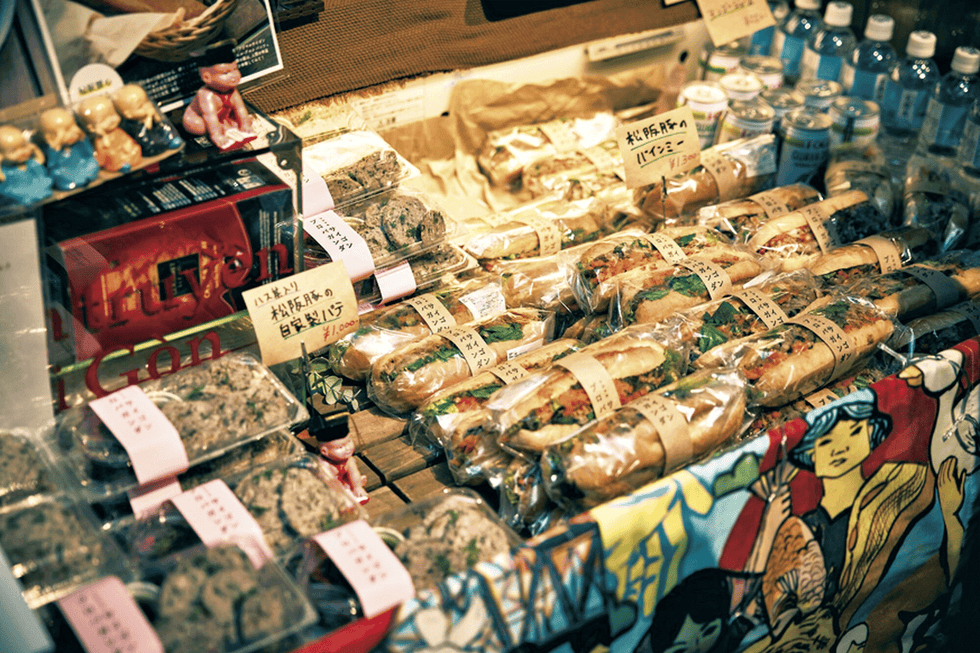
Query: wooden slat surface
[[370, 427], [373, 480], [382, 500], [425, 483], [397, 459]]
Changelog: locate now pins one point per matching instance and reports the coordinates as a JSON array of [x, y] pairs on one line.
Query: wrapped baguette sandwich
[[868, 257], [864, 169], [929, 335], [576, 174], [741, 218]]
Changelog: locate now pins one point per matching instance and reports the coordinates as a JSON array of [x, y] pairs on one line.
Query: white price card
[[730, 20], [396, 282], [341, 242], [106, 619], [666, 144], [378, 577], [315, 308]]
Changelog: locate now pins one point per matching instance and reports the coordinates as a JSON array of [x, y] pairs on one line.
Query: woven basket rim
[[175, 42]]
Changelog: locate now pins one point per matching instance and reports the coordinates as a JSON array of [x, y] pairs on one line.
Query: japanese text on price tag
[[667, 247], [765, 309], [840, 344], [771, 205], [341, 242], [595, 380], [672, 427], [820, 398], [730, 20], [432, 312], [315, 308], [666, 144], [560, 133], [474, 349], [508, 372], [549, 234], [889, 256], [971, 311], [713, 276], [106, 619], [822, 225]]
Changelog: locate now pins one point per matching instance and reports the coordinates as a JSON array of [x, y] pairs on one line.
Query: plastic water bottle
[[910, 84], [828, 48], [949, 104], [866, 70], [789, 40], [761, 41], [968, 158]]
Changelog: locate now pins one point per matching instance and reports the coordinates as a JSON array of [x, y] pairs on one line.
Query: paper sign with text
[[664, 145], [315, 308], [730, 20], [106, 619]]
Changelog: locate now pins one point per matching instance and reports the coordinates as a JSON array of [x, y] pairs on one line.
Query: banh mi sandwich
[[906, 294], [524, 502], [792, 360], [625, 450], [540, 281], [385, 329], [601, 263], [402, 380], [792, 241], [843, 265], [518, 233], [549, 405], [475, 456], [931, 334], [865, 169], [750, 165], [741, 218], [437, 419], [650, 296], [558, 173]]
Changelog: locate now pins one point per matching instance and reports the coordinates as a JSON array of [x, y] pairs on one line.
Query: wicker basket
[[175, 43]]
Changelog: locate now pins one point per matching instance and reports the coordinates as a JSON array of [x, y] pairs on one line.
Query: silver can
[[707, 101], [745, 119], [819, 93], [855, 122], [768, 69], [716, 62], [805, 145], [741, 85]]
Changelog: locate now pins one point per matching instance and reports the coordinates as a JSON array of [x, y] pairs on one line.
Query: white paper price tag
[[840, 344], [106, 619], [730, 20], [713, 276], [396, 282], [764, 308], [771, 205], [889, 256], [485, 302], [561, 135], [341, 242], [508, 372], [823, 227], [667, 247]]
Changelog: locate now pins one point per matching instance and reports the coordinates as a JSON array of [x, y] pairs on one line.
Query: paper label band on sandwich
[[946, 290], [672, 427], [820, 398], [605, 160], [823, 228], [932, 187], [888, 253], [770, 203], [436, 316], [723, 171], [712, 275], [667, 247], [595, 380], [561, 135], [764, 308], [475, 350], [840, 344], [549, 233], [971, 311], [508, 372]]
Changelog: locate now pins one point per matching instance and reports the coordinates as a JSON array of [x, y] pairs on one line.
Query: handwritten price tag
[[947, 291], [840, 344], [671, 425], [889, 256], [730, 20], [771, 205], [379, 579], [595, 380], [713, 276], [765, 308], [341, 242], [666, 144], [509, 372], [667, 247], [316, 307], [432, 312], [475, 350], [218, 517], [822, 226], [151, 441], [106, 619]]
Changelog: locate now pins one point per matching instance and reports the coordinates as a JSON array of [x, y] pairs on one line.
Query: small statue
[[339, 461], [218, 109], [144, 122], [70, 156], [22, 175], [114, 149]]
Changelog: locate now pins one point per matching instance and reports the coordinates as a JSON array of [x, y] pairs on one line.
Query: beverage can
[[745, 119], [805, 145], [741, 85], [707, 101], [819, 93], [718, 61], [768, 69], [854, 122], [782, 100]]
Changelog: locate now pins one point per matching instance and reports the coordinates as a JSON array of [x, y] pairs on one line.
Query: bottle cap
[[808, 4], [922, 44], [838, 14], [880, 27], [966, 60]]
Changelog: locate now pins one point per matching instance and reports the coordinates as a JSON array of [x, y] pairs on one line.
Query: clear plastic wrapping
[[538, 228], [741, 218], [625, 450], [507, 151], [751, 168], [24, 470], [215, 407], [445, 535], [540, 281], [547, 406], [575, 174], [524, 502], [600, 264], [932, 200], [864, 169], [385, 329], [791, 360], [402, 380], [843, 265], [649, 296], [931, 334], [357, 164]]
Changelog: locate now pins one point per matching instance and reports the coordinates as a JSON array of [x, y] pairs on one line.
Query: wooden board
[[370, 427], [373, 480], [397, 459], [426, 483], [382, 500]]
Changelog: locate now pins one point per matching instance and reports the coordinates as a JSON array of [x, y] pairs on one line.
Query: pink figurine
[[218, 109], [339, 461], [114, 149]]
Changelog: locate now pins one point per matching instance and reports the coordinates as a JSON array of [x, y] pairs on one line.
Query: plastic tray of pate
[[428, 270], [215, 407], [55, 546]]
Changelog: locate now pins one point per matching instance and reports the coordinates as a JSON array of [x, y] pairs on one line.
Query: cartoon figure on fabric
[[22, 175], [114, 149], [70, 156], [144, 122], [218, 109]]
